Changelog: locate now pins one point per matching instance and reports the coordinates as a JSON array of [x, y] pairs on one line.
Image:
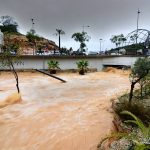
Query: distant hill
[[25, 46]]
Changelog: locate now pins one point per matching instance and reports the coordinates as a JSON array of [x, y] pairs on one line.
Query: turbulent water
[[58, 116]]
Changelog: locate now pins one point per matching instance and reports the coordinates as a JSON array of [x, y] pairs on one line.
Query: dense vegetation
[[130, 49]]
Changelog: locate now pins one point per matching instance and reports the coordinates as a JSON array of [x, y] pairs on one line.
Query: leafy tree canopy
[[8, 24], [118, 39], [32, 38], [81, 38], [141, 67], [59, 31]]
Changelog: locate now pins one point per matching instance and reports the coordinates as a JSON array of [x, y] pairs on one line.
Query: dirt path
[[58, 116]]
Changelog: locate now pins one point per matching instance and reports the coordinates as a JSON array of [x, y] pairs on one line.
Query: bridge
[[69, 62]]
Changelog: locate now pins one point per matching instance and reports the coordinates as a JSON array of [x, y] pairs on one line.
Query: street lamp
[[84, 27], [32, 30], [32, 26], [100, 44], [138, 15]]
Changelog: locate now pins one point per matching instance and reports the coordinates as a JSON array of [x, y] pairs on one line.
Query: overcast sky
[[105, 18]]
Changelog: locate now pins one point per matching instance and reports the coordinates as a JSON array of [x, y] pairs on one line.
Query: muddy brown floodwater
[[59, 116]]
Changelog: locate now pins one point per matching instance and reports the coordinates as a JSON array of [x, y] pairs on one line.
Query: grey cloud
[[106, 17]]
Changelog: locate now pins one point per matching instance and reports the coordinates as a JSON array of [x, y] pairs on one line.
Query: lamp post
[[100, 44], [138, 15], [33, 32], [84, 27], [32, 26]]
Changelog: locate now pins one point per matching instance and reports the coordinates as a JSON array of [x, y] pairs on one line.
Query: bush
[[140, 108], [9, 29], [53, 65], [136, 139], [82, 66], [32, 38]]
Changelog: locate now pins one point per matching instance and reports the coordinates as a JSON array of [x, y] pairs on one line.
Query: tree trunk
[[131, 91], [133, 85], [52, 71], [82, 72], [16, 76], [17, 84], [141, 90], [59, 42]]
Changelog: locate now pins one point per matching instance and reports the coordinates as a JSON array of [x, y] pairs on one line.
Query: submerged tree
[[7, 60], [53, 65], [81, 38], [82, 66]]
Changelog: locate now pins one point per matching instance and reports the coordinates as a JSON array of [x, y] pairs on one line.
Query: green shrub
[[82, 66], [137, 139], [53, 65], [140, 108]]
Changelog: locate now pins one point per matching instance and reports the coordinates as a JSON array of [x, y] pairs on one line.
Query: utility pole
[[84, 27], [138, 16], [32, 27], [100, 46], [33, 32]]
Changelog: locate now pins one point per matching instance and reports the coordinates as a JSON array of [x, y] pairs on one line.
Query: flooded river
[[58, 116]]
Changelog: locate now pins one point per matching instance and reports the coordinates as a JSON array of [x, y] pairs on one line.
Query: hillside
[[27, 47]]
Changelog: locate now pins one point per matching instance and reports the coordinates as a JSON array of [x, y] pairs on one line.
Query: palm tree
[[114, 39], [121, 39], [118, 39], [81, 38], [133, 38], [59, 32], [82, 66], [53, 65]]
